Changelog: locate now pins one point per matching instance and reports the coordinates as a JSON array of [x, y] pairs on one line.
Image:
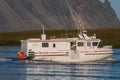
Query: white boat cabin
[[58, 46]]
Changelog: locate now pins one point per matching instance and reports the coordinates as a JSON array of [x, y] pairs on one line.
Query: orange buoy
[[20, 55]]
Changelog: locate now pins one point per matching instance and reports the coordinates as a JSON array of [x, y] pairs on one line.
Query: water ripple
[[13, 69]]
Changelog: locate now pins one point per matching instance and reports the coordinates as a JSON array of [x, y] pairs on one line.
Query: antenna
[[43, 28], [75, 19], [66, 33], [69, 7]]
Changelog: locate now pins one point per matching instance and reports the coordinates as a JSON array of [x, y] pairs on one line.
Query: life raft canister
[[20, 55]]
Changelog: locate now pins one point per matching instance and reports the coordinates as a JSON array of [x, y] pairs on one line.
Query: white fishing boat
[[67, 50]]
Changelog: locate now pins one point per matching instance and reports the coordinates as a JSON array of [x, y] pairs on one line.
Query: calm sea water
[[11, 69]]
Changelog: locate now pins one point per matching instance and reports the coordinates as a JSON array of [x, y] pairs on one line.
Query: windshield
[[95, 43]]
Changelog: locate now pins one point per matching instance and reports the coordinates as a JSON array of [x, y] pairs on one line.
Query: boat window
[[45, 45], [73, 45], [95, 43], [88, 43], [54, 45], [80, 44]]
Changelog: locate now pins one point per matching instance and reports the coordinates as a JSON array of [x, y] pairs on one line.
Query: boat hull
[[73, 57]]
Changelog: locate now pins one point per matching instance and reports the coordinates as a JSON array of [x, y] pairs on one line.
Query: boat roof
[[62, 40]]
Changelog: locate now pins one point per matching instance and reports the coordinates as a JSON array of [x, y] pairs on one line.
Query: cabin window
[[54, 45], [73, 45], [45, 45], [95, 43], [88, 44], [80, 44]]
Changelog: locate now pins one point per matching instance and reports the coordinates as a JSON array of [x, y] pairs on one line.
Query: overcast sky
[[116, 6]]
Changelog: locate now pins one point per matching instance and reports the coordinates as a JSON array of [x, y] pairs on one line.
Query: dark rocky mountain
[[17, 15]]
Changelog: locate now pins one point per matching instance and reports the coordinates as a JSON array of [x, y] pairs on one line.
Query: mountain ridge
[[19, 15]]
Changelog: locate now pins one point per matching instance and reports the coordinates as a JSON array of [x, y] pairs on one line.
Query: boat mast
[[82, 33], [81, 26], [69, 7], [76, 19]]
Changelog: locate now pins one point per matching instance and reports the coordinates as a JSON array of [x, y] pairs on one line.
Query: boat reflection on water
[[56, 71]]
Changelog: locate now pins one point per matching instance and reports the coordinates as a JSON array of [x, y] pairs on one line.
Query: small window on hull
[[45, 45], [80, 44], [88, 44]]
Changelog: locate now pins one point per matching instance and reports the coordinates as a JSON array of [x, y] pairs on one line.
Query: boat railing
[[107, 47], [68, 36]]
